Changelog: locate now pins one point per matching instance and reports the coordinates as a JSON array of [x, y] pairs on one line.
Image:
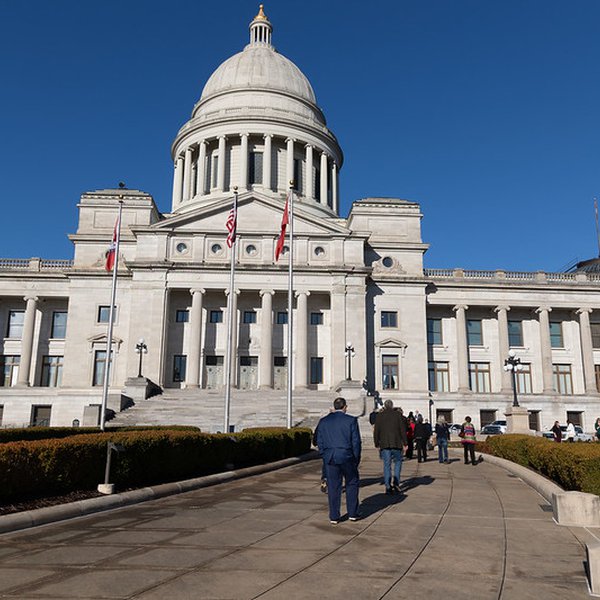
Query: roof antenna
[[597, 228]]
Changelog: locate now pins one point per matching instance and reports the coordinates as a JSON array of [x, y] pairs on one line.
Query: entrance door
[[280, 372], [213, 372], [248, 372]]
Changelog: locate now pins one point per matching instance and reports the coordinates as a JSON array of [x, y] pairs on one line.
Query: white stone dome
[[259, 67]]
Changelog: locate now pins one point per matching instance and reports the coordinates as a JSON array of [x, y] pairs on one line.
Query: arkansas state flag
[[111, 252], [284, 224]]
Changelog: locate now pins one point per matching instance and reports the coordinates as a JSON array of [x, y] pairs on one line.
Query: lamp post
[[431, 403], [349, 354], [513, 365], [141, 348]]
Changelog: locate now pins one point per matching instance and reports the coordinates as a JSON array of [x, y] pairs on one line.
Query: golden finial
[[261, 14]]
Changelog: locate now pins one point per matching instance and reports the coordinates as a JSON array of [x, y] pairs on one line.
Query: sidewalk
[[458, 531]]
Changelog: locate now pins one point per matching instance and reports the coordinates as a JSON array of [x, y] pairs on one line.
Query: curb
[[538, 482], [53, 514]]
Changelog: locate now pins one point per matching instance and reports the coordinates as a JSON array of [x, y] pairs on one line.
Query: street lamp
[[431, 403], [141, 348], [349, 355], [513, 365]]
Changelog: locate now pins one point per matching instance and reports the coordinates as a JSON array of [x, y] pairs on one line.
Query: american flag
[[231, 225], [111, 252]]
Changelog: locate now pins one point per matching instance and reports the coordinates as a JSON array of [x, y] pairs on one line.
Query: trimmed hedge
[[21, 434], [575, 467], [41, 468]]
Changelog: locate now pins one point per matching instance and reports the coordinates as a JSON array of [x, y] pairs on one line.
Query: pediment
[[391, 343], [257, 215], [101, 338]]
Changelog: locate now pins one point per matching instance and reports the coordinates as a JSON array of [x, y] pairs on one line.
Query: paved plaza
[[457, 531]]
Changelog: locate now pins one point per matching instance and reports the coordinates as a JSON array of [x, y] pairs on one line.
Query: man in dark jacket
[[338, 439], [389, 436]]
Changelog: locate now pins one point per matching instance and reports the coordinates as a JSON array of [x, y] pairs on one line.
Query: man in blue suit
[[338, 439]]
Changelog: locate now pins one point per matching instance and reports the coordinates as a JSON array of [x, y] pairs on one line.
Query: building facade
[[423, 337]]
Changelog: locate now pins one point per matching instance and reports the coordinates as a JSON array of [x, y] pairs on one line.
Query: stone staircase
[[248, 408]]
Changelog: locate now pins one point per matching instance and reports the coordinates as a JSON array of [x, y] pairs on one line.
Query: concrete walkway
[[458, 531]]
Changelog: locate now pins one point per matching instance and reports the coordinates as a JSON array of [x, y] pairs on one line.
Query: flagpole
[[228, 366], [290, 308], [111, 320]]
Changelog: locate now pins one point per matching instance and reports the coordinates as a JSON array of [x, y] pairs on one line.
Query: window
[[434, 332], [280, 361], [389, 368], [52, 367], [214, 163], [255, 168], [563, 382], [595, 327], [249, 316], [523, 378], [282, 318], [179, 364], [534, 420], [9, 370], [59, 325], [298, 175], [316, 369], [474, 334], [182, 316], [99, 366], [597, 371], [1, 412], [216, 316], [317, 184], [15, 324], [486, 417], [389, 318], [479, 377], [104, 314], [556, 334], [515, 333], [40, 416], [575, 417], [439, 377], [316, 318]]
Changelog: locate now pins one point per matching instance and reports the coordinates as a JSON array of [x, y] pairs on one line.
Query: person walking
[[410, 429], [570, 431], [421, 436], [467, 433], [389, 435], [442, 436], [557, 432], [338, 440], [597, 428]]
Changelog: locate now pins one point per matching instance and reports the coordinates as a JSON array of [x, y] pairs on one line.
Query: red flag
[[284, 224], [231, 225], [110, 253]]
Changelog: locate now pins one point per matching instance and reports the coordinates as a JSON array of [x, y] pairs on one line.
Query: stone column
[[221, 165], [267, 163], [587, 350], [178, 181], [334, 187], [338, 332], [187, 174], [27, 340], [301, 366], [546, 349], [462, 348], [289, 172], [243, 184], [192, 378], [503, 348], [201, 169], [233, 298], [308, 175], [265, 360], [323, 178]]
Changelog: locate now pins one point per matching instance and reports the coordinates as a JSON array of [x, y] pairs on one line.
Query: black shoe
[[466, 462], [389, 491], [356, 518]]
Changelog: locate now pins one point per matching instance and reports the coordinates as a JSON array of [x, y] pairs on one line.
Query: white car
[[501, 423], [580, 435]]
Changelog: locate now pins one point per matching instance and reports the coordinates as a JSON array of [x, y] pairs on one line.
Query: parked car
[[492, 429], [454, 428], [580, 435], [500, 423]]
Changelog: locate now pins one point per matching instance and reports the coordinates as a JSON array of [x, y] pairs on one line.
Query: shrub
[[30, 469], [572, 466]]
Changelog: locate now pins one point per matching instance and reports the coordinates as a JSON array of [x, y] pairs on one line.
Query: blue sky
[[486, 113]]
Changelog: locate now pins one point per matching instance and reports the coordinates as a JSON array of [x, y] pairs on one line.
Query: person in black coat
[[421, 435]]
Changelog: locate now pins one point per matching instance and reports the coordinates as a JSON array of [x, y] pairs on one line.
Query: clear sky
[[485, 112]]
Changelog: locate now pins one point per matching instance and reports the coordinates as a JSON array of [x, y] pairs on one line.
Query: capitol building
[[368, 318]]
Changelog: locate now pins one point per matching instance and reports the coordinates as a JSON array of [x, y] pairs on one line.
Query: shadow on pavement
[[379, 501]]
